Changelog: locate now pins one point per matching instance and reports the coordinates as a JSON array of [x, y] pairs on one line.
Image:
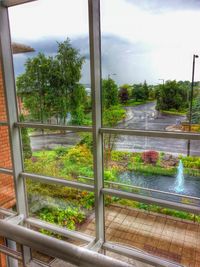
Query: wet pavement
[[142, 117]]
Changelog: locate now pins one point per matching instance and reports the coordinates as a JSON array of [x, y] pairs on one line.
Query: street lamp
[[162, 81], [114, 74], [191, 99]]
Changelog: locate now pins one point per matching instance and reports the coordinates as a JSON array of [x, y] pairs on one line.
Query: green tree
[[68, 73], [26, 146], [109, 93], [145, 90], [137, 92], [171, 95], [196, 111], [123, 95], [34, 85], [78, 100], [111, 118], [49, 87]]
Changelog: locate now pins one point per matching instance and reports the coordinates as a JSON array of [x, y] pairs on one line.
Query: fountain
[[179, 183]]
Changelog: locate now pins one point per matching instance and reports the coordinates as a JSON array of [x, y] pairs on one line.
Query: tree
[[171, 95], [123, 95], [26, 146], [109, 93], [34, 85], [111, 118], [145, 90], [69, 64], [140, 92], [196, 111], [49, 87], [78, 99], [137, 92]]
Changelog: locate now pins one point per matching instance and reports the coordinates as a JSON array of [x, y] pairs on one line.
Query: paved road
[[50, 141], [145, 117], [140, 117]]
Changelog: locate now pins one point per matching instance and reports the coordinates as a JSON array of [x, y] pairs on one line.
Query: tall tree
[[49, 87], [123, 94], [109, 93], [171, 95], [145, 89], [196, 111], [34, 85]]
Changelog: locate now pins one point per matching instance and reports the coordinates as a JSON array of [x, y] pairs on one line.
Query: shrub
[[80, 154], [60, 151], [69, 217], [150, 157]]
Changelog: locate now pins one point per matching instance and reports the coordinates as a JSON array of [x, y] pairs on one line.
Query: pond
[[190, 186]]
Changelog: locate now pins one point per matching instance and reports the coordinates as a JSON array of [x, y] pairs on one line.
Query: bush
[[150, 157], [69, 217], [80, 154], [60, 151]]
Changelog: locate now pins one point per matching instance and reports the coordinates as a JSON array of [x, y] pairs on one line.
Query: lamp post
[[114, 74], [191, 99], [162, 81]]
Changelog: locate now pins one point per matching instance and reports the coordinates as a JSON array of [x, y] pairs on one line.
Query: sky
[[141, 39]]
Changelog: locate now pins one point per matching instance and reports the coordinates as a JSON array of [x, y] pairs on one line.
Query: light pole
[[191, 99], [162, 81], [113, 74]]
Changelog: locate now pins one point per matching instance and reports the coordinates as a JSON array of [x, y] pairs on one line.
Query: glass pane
[[62, 154], [155, 167], [7, 192], [153, 229], [66, 207], [53, 76], [150, 86]]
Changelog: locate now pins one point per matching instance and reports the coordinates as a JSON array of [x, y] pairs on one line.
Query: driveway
[[144, 117], [139, 117]]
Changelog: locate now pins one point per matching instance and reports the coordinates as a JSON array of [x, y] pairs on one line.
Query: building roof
[[20, 48]]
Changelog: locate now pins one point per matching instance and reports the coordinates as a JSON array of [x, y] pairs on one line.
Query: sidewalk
[[173, 239]]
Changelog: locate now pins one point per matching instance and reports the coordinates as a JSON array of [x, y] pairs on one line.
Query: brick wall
[[7, 195]]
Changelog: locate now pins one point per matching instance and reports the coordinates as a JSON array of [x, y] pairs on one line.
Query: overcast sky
[[141, 39]]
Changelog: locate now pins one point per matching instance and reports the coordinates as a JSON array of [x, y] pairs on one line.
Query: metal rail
[[74, 235], [151, 200], [3, 123], [53, 180], [53, 127], [139, 255], [57, 248], [149, 133], [7, 212], [6, 171], [10, 252], [143, 188], [9, 3]]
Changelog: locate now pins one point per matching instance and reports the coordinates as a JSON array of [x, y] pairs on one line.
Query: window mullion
[[12, 116], [95, 66]]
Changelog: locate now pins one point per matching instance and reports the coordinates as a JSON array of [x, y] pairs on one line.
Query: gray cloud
[[131, 62], [163, 5]]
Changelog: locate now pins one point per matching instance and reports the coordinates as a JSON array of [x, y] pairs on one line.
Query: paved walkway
[[173, 239]]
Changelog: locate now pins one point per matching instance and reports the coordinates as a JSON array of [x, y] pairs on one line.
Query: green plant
[[60, 151], [69, 218]]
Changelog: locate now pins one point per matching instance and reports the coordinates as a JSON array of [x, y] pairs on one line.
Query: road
[[145, 117], [139, 117]]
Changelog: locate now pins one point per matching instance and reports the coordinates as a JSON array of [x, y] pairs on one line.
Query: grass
[[133, 103], [174, 112]]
